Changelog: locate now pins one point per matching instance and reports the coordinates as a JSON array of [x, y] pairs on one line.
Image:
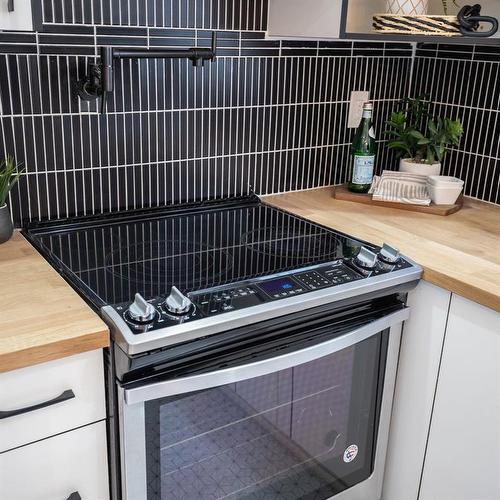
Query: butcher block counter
[[41, 317], [459, 252]]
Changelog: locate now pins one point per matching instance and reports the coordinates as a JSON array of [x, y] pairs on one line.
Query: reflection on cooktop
[[292, 243], [112, 259], [145, 262]]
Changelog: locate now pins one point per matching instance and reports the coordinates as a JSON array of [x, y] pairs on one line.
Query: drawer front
[[72, 388], [57, 467]]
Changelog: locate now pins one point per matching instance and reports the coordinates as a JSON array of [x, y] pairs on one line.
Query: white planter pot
[[407, 7], [406, 165]]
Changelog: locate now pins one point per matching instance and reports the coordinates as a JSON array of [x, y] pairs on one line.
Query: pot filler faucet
[[100, 81]]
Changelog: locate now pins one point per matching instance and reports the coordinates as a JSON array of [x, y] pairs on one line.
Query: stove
[[167, 276], [253, 352]]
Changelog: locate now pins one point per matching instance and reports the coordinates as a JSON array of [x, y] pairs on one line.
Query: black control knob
[[177, 303], [388, 254], [366, 258], [141, 311]]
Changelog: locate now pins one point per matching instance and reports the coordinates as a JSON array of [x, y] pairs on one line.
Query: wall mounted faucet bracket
[[100, 80]]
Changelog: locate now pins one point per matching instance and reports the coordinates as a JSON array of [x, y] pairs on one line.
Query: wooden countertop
[[41, 317], [460, 252]]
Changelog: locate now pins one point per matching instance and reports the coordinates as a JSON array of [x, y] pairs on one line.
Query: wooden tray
[[342, 193]]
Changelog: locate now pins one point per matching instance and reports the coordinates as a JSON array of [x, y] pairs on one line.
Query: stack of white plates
[[444, 190]]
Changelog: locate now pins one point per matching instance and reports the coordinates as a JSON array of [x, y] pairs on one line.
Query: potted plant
[[9, 175], [420, 140]]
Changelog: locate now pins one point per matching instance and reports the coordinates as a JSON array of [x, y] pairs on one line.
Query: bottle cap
[[368, 105]]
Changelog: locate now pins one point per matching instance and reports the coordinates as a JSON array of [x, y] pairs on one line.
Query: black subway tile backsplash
[[266, 115], [467, 88]]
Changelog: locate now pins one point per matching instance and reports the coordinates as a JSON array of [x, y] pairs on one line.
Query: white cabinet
[[53, 446], [19, 18], [420, 354], [54, 468], [80, 377], [445, 429], [305, 19], [463, 455]]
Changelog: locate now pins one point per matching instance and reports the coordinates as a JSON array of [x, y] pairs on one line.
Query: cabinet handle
[[74, 496], [10, 5], [69, 394]]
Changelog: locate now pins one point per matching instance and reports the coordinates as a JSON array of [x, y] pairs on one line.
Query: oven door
[[310, 423]]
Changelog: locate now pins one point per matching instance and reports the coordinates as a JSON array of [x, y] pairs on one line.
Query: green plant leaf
[[415, 133], [430, 156], [9, 175], [432, 127]]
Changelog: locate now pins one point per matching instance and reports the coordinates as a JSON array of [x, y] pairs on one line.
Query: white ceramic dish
[[444, 195], [444, 181]]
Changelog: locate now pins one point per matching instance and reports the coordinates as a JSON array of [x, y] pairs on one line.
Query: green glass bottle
[[363, 153]]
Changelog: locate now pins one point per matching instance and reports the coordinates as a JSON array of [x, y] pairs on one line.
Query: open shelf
[[358, 18]]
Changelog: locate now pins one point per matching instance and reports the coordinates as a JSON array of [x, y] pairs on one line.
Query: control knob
[[388, 254], [366, 258], [141, 311], [177, 302]]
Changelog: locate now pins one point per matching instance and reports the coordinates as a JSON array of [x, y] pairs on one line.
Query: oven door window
[[307, 432]]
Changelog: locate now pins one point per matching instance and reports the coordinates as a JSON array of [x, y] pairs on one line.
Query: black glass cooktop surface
[[112, 258]]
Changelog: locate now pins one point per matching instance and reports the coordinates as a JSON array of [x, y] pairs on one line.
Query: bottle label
[[363, 169]]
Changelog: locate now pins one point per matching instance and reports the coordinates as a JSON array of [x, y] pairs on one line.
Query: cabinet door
[[303, 18], [16, 15], [463, 454], [54, 468], [420, 354]]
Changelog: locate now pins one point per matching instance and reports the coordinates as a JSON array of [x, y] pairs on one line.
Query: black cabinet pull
[[10, 5], [74, 496], [69, 394]]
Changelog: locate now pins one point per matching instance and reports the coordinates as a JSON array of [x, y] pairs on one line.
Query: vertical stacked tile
[[267, 116], [464, 83]]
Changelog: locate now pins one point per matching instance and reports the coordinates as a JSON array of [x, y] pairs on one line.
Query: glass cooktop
[[110, 259]]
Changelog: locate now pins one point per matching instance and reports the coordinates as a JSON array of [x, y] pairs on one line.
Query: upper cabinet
[[354, 19], [16, 15], [305, 19]]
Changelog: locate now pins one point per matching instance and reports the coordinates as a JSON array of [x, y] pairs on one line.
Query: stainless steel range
[[254, 353]]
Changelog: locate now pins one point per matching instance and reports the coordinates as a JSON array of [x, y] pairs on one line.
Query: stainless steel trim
[[132, 449], [193, 383], [138, 343], [371, 488]]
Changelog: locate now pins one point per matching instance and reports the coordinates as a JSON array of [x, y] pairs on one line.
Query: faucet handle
[[214, 44]]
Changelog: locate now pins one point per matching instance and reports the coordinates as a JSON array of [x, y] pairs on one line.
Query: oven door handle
[[172, 387]]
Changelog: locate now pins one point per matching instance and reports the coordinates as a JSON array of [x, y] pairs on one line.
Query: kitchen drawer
[[83, 374], [54, 468]]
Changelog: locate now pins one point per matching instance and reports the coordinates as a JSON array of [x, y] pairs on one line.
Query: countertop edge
[[466, 290], [55, 350]]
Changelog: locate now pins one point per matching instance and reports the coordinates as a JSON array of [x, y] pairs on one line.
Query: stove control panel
[[143, 316], [227, 300]]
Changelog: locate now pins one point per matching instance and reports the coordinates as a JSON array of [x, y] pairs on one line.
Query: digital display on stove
[[278, 286]]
